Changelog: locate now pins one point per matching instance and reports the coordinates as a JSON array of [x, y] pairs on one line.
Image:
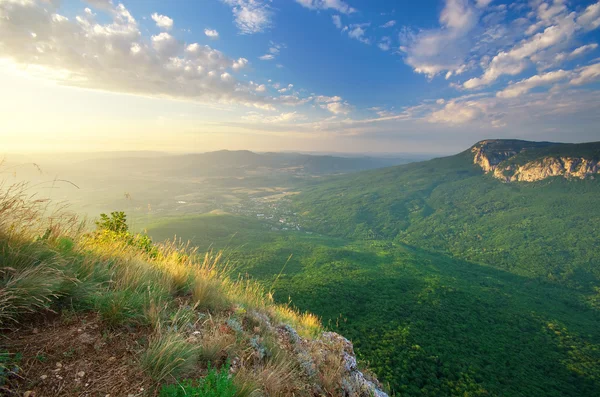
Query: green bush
[[215, 384]]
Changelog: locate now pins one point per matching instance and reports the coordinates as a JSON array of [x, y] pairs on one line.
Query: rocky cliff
[[522, 161]]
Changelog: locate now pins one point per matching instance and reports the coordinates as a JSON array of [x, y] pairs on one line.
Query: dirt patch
[[76, 356]]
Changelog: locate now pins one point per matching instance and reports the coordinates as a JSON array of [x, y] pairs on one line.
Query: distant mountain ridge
[[243, 162], [524, 161]]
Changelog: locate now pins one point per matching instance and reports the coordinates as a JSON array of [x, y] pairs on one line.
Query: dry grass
[[169, 354], [215, 344], [165, 296]]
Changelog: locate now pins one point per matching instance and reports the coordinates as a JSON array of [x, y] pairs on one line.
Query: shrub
[[215, 384]]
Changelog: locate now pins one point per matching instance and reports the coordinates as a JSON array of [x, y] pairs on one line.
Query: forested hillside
[[546, 229]]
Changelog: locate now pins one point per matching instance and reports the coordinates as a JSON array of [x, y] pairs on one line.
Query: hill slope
[[546, 228], [428, 324], [111, 313]]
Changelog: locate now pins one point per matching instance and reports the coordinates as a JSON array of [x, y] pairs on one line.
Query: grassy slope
[[427, 323], [545, 229], [111, 313]]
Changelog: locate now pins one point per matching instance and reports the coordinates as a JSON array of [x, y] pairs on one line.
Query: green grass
[[215, 384], [169, 355]]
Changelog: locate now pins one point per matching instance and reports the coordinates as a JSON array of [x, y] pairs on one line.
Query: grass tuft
[[169, 355]]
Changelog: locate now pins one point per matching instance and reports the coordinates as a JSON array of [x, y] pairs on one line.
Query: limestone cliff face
[[494, 156]]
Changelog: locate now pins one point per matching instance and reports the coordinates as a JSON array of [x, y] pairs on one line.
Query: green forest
[[425, 323]]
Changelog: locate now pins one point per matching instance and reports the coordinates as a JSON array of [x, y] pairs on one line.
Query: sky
[[361, 76]]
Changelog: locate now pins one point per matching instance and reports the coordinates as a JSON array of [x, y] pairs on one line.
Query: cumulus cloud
[[337, 108], [455, 112], [162, 21], [445, 49], [543, 49], [337, 5], [251, 16], [212, 33], [114, 55], [241, 63], [586, 74], [526, 85], [388, 24]]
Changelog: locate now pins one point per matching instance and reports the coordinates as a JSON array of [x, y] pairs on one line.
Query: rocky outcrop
[[327, 361], [494, 156], [324, 354], [548, 167]]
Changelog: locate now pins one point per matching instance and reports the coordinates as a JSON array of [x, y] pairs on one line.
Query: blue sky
[[318, 75]]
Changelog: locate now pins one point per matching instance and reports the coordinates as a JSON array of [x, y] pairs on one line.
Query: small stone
[[58, 365], [87, 384], [29, 393], [81, 374], [44, 377]]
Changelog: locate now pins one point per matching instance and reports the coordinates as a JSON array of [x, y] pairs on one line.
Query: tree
[[116, 222]]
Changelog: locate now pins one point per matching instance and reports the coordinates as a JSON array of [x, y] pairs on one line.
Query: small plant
[[168, 354], [215, 384], [9, 366]]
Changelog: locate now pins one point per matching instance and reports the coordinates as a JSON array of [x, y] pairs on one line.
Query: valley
[[448, 280]]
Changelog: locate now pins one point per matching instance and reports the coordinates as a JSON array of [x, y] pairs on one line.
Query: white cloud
[[251, 16], [337, 5], [256, 117], [526, 85], [586, 74], [213, 34], [590, 18], [385, 44], [357, 31], [165, 44], [241, 63], [337, 108], [327, 99], [337, 21], [582, 50], [482, 3], [274, 50], [543, 48], [115, 56], [457, 113], [388, 24], [433, 51], [162, 21]]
